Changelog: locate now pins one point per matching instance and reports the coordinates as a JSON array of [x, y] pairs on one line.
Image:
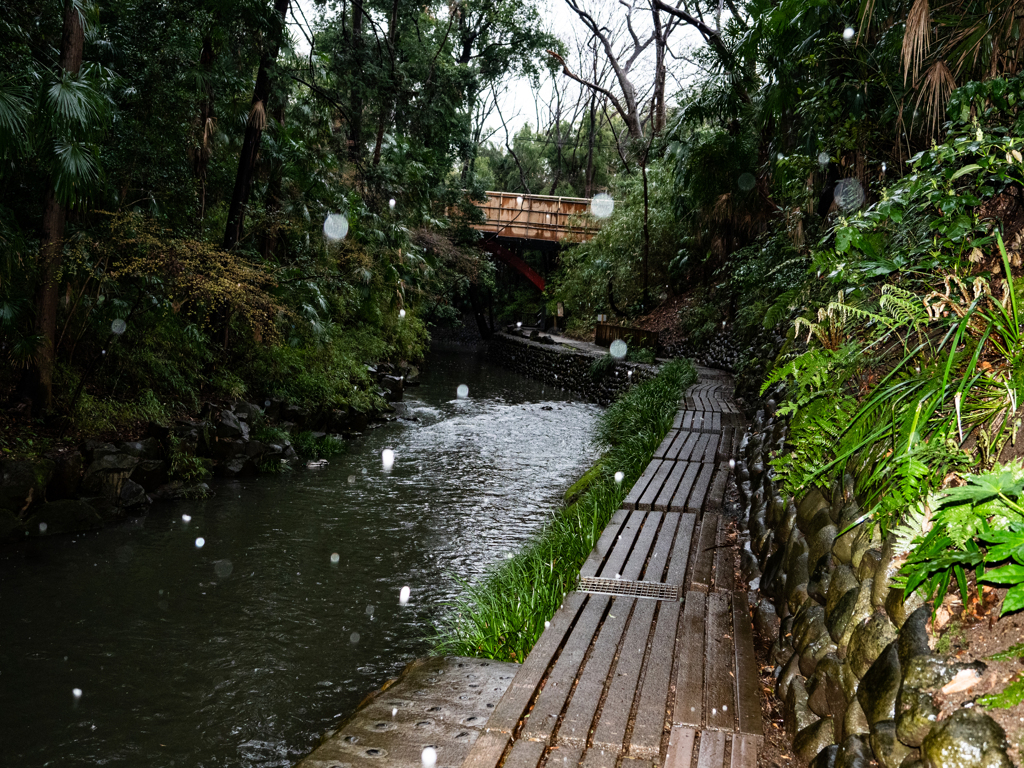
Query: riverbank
[[51, 484]]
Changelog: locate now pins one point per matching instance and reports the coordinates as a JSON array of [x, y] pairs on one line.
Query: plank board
[[748, 701], [514, 702], [683, 491], [604, 544], [688, 707], [699, 493], [612, 566], [651, 715], [744, 751], [642, 547], [641, 485], [487, 751], [680, 556], [704, 557], [525, 754], [564, 756], [542, 719], [716, 494], [661, 474], [720, 707], [663, 500], [579, 715], [661, 553], [725, 562], [610, 731], [680, 747], [712, 750]]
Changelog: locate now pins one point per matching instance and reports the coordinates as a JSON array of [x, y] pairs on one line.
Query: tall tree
[[72, 50], [254, 128]]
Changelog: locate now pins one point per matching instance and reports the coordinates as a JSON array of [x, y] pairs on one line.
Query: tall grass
[[502, 615]]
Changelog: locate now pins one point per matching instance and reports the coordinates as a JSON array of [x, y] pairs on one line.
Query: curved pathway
[[651, 661]]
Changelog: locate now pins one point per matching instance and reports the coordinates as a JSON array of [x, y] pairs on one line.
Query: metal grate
[[654, 590]]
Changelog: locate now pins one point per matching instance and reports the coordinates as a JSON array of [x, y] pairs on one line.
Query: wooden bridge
[[537, 218], [513, 222]]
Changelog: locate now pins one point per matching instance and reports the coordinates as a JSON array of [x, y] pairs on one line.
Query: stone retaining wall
[[852, 659], [567, 367]]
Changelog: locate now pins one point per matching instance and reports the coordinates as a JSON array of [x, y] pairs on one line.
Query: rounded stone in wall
[[889, 751], [868, 641], [966, 739], [878, 688]]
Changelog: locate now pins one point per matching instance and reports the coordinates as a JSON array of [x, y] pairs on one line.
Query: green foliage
[[1012, 653], [185, 465], [612, 260], [502, 615], [978, 523], [952, 639], [1011, 696], [601, 366], [311, 447]]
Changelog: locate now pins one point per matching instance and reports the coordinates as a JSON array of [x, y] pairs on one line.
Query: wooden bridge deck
[[651, 662]]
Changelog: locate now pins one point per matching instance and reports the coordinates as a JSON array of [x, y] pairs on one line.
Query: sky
[[519, 104]]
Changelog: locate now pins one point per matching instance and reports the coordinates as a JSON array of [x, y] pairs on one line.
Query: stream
[[224, 632]]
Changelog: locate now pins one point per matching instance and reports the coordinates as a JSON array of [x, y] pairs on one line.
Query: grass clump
[[502, 615], [311, 447]]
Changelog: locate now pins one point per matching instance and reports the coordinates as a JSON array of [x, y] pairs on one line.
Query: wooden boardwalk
[[651, 661]]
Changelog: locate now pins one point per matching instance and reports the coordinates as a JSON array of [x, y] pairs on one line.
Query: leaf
[[981, 488], [1014, 600], [1007, 574], [965, 170]]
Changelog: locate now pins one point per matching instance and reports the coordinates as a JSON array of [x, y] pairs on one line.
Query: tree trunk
[[206, 124], [253, 132], [355, 128], [660, 44], [72, 48]]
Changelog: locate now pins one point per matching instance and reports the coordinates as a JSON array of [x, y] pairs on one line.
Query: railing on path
[[543, 218]]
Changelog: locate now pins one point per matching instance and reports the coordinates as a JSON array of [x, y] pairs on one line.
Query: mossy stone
[[796, 583], [855, 752], [23, 482], [843, 546], [868, 641], [966, 739], [820, 542], [796, 548], [826, 697], [879, 687], [810, 741], [797, 715], [821, 577], [808, 625], [842, 614], [790, 670], [861, 612], [863, 544], [775, 511], [854, 721], [887, 568], [869, 564], [924, 675], [843, 581], [815, 652], [812, 502], [826, 758], [913, 639], [898, 609], [889, 751]]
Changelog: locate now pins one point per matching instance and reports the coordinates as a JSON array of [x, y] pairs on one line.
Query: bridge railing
[[537, 217]]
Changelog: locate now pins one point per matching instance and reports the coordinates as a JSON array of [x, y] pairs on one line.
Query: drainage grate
[[653, 589]]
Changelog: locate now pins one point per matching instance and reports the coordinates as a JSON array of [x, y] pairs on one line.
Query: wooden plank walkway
[[650, 663]]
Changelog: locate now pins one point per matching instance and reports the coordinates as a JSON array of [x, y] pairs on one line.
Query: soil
[[665, 320], [975, 633]]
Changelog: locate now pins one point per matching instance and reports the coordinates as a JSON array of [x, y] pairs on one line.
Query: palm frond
[[916, 39]]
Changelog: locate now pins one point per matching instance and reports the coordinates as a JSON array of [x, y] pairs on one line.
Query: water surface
[[242, 651]]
